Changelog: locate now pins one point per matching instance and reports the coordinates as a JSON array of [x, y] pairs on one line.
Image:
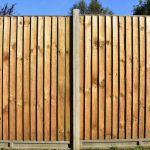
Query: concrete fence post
[[76, 108]]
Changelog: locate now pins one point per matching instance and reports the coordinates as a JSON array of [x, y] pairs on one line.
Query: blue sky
[[61, 7]]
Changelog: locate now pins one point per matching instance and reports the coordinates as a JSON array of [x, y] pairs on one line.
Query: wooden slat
[[19, 78], [101, 75], [5, 76], [67, 126], [115, 78], [1, 40], [94, 74], [108, 78], [142, 77], [47, 79], [61, 76], [135, 78], [12, 99], [54, 80], [81, 67], [26, 77], [147, 131], [128, 77], [122, 80], [87, 76], [33, 76], [40, 80]]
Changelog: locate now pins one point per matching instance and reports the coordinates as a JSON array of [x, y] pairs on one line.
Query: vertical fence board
[[5, 76], [61, 77], [1, 58], [81, 61], [147, 132], [26, 77], [54, 80], [12, 99], [47, 79], [108, 78], [102, 79], [94, 74], [40, 80], [67, 116], [33, 76], [128, 77], [87, 76], [19, 78], [115, 78], [142, 77], [135, 78], [122, 81]]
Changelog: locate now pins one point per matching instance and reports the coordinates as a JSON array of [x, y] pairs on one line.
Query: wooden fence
[[114, 77], [35, 78]]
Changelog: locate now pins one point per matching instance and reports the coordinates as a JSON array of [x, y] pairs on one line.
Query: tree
[[95, 7], [7, 10], [142, 9]]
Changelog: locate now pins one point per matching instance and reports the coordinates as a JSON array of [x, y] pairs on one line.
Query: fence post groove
[[76, 119]]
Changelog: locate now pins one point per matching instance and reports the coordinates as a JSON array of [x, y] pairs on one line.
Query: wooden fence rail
[[114, 77], [35, 78]]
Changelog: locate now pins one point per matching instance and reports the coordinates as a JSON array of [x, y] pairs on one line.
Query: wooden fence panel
[[47, 82], [147, 131], [128, 76], [142, 77], [135, 78], [40, 80], [61, 77], [94, 75], [102, 79], [122, 80], [54, 80], [1, 79], [87, 77], [68, 67], [81, 61], [26, 77], [12, 102], [108, 78], [115, 78], [6, 76], [33, 70], [19, 79]]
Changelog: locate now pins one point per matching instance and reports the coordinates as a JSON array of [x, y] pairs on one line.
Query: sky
[[61, 7]]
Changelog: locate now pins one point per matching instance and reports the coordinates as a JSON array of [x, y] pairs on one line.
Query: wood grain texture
[[1, 81], [26, 77], [115, 78], [33, 61], [19, 78], [87, 77], [147, 131], [122, 79], [54, 81], [47, 79], [12, 99], [108, 78], [94, 75], [102, 80], [128, 77], [5, 76], [67, 115], [40, 80], [61, 77], [142, 77], [135, 78], [81, 67]]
